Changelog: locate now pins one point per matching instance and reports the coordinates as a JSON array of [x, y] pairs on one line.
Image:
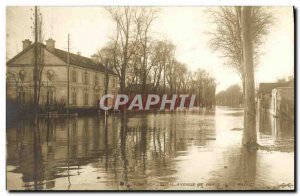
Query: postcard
[[133, 98]]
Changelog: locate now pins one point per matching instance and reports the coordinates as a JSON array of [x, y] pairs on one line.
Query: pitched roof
[[265, 88], [19, 54], [74, 59]]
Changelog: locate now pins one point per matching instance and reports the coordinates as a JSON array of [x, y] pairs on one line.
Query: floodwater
[[198, 150]]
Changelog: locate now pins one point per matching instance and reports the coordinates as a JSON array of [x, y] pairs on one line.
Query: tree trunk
[[164, 91], [249, 136], [144, 69], [144, 82], [243, 81], [122, 86], [106, 82]]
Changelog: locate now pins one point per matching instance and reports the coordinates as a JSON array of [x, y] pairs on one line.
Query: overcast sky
[[90, 28]]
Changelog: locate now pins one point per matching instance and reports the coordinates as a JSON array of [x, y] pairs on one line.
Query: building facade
[[86, 77], [282, 103], [265, 93]]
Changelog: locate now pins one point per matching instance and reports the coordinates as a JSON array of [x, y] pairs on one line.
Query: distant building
[[134, 89], [265, 93], [282, 103], [86, 77]]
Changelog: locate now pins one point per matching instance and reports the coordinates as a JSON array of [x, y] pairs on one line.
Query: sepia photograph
[[150, 98]]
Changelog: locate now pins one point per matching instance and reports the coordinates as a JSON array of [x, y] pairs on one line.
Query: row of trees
[[148, 64], [232, 96]]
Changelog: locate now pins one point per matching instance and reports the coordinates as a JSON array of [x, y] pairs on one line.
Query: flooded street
[[198, 150]]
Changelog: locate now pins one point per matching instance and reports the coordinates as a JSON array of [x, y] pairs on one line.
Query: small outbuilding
[[282, 102]]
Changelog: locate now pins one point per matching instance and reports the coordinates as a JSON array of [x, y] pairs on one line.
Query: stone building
[[86, 77]]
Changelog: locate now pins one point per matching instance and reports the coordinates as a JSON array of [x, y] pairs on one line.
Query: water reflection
[[239, 171], [142, 151], [281, 130]]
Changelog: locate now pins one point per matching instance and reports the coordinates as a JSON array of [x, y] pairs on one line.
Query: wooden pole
[[68, 77], [35, 64]]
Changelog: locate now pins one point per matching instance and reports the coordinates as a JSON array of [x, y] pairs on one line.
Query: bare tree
[[145, 21], [106, 58], [141, 60], [125, 39], [238, 35], [232, 96], [40, 52], [157, 66], [226, 36], [161, 52]]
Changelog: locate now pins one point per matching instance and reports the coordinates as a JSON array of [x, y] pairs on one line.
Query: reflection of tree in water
[[143, 153], [275, 133], [30, 156], [130, 149], [264, 123], [278, 128], [73, 138], [248, 166], [238, 171], [38, 174]]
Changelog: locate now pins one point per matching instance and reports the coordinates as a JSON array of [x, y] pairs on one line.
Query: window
[[22, 74], [85, 78], [74, 96], [38, 74], [96, 80], [74, 76], [114, 82], [86, 96], [50, 74]]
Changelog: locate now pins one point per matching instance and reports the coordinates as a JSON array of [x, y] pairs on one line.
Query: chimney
[[94, 58], [26, 43], [50, 44]]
